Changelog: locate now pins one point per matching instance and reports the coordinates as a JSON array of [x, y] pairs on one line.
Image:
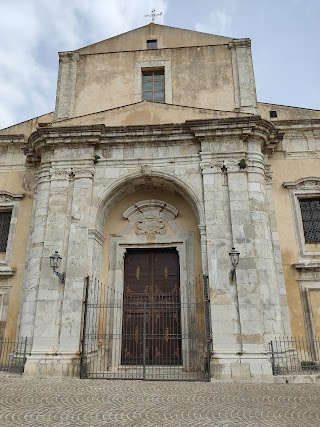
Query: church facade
[[156, 162]]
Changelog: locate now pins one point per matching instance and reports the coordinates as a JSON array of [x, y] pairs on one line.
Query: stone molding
[[308, 267], [166, 65], [12, 139], [306, 183], [309, 284], [240, 43], [300, 124], [9, 201], [7, 197], [303, 188], [245, 128]]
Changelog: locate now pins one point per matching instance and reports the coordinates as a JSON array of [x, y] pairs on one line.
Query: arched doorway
[[147, 320]]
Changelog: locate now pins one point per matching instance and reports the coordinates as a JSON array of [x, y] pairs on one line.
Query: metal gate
[[13, 354], [128, 337]]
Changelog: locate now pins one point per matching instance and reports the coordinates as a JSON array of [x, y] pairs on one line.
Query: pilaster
[[233, 162], [57, 309], [243, 76], [35, 254], [67, 75]]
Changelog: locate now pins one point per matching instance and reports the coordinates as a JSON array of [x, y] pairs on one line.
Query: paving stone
[[34, 402]]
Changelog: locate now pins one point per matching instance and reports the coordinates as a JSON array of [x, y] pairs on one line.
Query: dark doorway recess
[[151, 308]]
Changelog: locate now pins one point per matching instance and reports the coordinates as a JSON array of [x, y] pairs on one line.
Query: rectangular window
[[153, 85], [152, 44], [5, 219], [310, 213]]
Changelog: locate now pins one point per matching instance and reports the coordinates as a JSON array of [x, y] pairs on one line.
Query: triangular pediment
[[168, 37], [147, 113]]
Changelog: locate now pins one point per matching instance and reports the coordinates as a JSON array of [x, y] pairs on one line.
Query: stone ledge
[[296, 379]]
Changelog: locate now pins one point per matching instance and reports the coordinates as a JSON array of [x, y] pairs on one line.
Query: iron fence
[[13, 355], [292, 355], [125, 337]]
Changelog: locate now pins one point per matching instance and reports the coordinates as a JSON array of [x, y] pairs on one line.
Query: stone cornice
[[240, 43], [246, 128], [97, 135], [69, 56], [307, 266], [12, 139], [297, 124]]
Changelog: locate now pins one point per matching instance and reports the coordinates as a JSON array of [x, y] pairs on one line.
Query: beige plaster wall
[[115, 223], [17, 182], [28, 127], [285, 112], [285, 170], [166, 36], [146, 113], [106, 81]]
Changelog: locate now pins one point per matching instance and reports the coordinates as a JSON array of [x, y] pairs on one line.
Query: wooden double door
[[151, 325]]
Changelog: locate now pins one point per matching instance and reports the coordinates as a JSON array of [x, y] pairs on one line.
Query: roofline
[[155, 25], [143, 50], [154, 103], [28, 120], [288, 106]]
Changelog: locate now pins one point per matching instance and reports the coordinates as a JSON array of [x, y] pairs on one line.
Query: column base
[[60, 365], [248, 367]]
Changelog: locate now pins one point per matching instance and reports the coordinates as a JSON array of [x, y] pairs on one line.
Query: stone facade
[[207, 170]]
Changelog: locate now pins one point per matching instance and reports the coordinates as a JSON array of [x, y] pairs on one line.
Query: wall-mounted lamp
[[234, 258], [55, 260]]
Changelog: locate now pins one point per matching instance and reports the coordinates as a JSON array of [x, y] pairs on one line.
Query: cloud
[[218, 20], [33, 31]]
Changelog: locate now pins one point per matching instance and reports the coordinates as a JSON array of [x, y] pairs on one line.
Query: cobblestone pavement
[[73, 402]]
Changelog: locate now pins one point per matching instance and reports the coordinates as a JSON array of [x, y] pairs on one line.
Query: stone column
[[47, 321], [218, 245], [77, 257], [256, 277], [35, 254], [58, 313], [246, 311]]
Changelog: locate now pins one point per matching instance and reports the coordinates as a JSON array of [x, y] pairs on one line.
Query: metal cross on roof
[[153, 15]]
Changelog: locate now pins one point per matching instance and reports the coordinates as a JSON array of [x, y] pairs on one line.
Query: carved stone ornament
[[145, 170], [150, 216], [151, 225], [308, 183], [6, 197]]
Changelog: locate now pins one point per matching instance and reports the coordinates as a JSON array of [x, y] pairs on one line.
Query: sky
[[285, 38]]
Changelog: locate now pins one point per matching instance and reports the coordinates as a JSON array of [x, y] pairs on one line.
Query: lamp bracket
[[61, 276]]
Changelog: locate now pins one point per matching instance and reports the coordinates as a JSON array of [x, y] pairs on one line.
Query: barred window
[[5, 218], [153, 85], [310, 213]]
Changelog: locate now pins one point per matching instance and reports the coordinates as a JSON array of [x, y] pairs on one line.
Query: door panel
[[151, 305]]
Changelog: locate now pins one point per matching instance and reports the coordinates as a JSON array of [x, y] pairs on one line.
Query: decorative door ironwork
[[151, 331]]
